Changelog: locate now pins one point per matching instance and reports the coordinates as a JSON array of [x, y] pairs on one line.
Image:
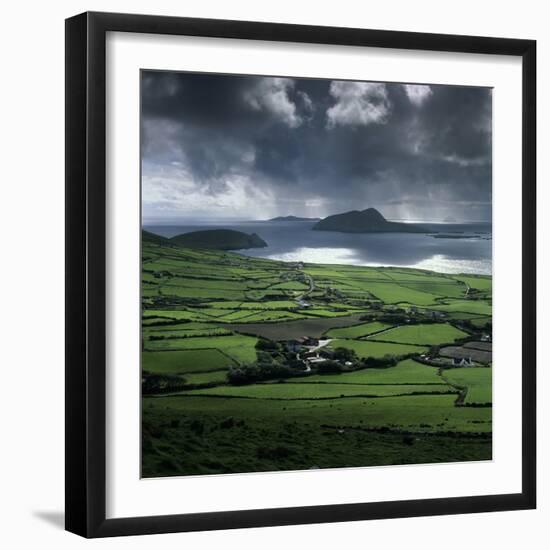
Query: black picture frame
[[86, 264]]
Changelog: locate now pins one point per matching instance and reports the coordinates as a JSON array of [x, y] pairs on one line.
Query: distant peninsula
[[292, 219], [365, 221], [218, 239]]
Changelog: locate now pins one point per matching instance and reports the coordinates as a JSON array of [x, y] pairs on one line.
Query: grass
[[270, 316], [393, 293], [481, 321], [239, 347], [204, 283], [175, 314], [214, 306], [295, 328], [405, 372], [478, 282], [179, 362], [405, 276], [357, 331], [176, 444], [290, 285], [468, 306], [331, 271], [418, 413], [477, 380], [214, 377], [376, 349], [451, 289], [276, 304], [183, 333], [291, 391], [184, 327], [186, 292], [428, 335]]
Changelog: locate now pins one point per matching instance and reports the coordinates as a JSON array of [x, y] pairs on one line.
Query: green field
[[376, 349], [320, 391], [477, 381], [428, 335], [295, 328], [239, 347], [358, 331], [468, 306], [204, 314], [217, 377], [405, 372], [212, 438], [175, 362], [393, 293], [416, 413], [478, 282]]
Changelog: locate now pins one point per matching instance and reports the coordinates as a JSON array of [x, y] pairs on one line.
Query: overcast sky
[[217, 147]]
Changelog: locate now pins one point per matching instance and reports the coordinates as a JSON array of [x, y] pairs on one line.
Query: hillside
[[364, 221], [220, 331], [148, 237], [219, 239]]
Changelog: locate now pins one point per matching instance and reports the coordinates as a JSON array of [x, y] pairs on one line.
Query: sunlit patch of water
[[443, 264], [349, 256], [319, 256]]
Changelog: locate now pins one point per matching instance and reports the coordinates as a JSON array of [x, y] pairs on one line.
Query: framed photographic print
[[300, 274]]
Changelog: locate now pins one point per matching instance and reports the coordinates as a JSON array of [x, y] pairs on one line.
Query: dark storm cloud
[[250, 147]]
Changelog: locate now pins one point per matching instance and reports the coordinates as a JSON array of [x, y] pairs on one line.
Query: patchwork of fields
[[363, 391]]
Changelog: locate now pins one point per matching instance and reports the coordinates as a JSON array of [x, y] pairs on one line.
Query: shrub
[[274, 453], [227, 423], [329, 367], [380, 362], [267, 345], [250, 373]]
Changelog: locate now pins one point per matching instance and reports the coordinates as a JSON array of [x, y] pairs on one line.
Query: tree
[[380, 362], [267, 345], [345, 354]]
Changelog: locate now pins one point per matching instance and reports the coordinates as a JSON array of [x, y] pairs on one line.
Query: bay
[[459, 248]]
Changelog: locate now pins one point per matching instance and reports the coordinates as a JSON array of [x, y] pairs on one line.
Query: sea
[[446, 248]]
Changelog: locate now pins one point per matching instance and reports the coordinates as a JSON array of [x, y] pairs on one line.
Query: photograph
[[316, 273]]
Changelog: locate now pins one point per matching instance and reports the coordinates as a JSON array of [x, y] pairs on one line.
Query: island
[[293, 219], [365, 221], [218, 239]]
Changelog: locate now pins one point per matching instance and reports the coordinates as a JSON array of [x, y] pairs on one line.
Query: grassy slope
[[417, 413], [183, 444]]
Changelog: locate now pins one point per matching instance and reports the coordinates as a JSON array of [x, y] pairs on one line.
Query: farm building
[[462, 362], [480, 352], [301, 342]]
